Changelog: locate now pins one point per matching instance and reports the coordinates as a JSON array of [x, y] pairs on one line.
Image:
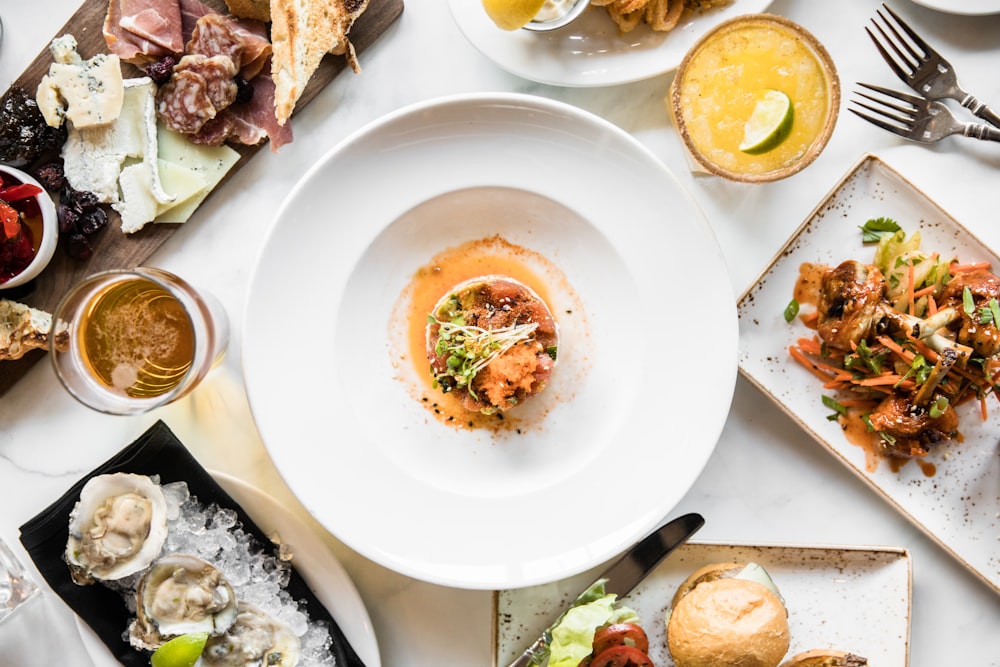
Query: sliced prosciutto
[[142, 30]]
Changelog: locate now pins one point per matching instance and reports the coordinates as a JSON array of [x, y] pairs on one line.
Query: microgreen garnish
[[875, 228], [791, 310], [864, 355], [468, 349], [919, 369]]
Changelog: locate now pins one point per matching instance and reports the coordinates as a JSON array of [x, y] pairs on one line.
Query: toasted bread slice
[[259, 10], [302, 32]]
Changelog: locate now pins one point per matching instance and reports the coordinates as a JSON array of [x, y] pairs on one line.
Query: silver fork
[[916, 118], [921, 67]]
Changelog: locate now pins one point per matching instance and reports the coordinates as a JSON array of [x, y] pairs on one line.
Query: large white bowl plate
[[617, 447]]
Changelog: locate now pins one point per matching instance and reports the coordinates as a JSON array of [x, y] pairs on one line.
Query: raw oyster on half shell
[[179, 594], [256, 639], [117, 527]]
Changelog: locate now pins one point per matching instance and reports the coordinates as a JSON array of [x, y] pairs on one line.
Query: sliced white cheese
[[210, 163], [182, 183], [137, 205], [88, 93]]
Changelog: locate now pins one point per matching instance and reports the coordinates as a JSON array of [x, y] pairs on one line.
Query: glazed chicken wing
[[850, 298]]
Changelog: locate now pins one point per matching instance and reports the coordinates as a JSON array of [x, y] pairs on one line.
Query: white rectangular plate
[[955, 499], [853, 598]]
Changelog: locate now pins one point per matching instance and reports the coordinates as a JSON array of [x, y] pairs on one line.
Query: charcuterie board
[[113, 249]]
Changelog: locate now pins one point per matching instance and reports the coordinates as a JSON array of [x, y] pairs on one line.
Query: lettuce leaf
[[573, 636]]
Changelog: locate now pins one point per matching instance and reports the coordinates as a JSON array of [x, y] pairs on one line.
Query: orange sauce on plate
[[490, 256]]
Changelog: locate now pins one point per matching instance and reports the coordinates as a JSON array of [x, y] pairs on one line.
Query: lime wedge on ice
[[769, 123], [182, 651]]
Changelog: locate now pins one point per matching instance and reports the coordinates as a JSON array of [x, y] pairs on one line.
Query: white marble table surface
[[767, 481]]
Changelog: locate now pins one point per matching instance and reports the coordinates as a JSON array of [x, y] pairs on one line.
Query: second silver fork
[[921, 67], [916, 118]]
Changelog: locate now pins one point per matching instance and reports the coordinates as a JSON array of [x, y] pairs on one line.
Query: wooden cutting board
[[112, 248]]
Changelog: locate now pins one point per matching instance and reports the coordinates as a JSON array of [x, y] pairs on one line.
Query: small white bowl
[[50, 231]]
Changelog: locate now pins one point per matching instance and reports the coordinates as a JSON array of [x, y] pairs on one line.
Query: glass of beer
[[125, 342]]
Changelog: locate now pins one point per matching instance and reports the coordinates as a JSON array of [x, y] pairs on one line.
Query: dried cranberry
[[51, 176], [78, 247], [161, 70], [92, 221], [244, 91], [67, 218]]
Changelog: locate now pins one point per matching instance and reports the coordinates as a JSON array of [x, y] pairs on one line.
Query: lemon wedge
[[769, 124], [182, 651], [512, 14]]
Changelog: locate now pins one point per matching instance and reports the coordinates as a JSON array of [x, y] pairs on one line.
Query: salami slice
[[215, 35], [218, 73], [183, 103]]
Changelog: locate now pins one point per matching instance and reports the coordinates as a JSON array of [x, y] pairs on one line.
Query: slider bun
[[825, 657], [705, 573], [731, 622]]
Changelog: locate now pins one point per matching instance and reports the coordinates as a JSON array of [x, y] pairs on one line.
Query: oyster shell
[[179, 594], [117, 527], [256, 639]]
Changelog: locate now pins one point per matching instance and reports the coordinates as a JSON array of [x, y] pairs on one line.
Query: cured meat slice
[[215, 35], [183, 103], [218, 73], [156, 21], [191, 11], [127, 45], [248, 123], [256, 44]]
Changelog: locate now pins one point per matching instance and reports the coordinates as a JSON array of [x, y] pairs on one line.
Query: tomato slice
[[621, 656], [618, 634]]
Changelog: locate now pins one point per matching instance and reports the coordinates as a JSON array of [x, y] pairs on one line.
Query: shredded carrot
[[810, 319], [927, 291], [885, 378], [931, 305], [982, 407], [810, 346], [963, 268], [805, 361]]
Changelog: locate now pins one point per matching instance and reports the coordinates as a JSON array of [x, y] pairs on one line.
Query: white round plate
[[963, 7], [590, 51], [613, 442], [321, 570]]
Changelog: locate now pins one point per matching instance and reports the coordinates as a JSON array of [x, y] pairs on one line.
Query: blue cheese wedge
[[87, 93]]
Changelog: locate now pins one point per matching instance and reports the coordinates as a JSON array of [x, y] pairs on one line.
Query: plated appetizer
[[492, 342], [900, 342]]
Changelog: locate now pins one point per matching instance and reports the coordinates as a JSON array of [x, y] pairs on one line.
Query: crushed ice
[[259, 573]]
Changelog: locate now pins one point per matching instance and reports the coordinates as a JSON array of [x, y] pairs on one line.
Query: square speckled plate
[[954, 496], [853, 598]]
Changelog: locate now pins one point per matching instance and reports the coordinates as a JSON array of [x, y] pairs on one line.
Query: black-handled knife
[[622, 576]]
